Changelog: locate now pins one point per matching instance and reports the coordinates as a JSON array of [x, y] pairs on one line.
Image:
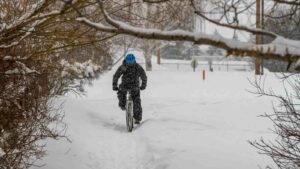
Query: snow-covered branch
[[26, 16], [155, 1], [280, 49], [27, 33], [289, 2], [28, 22]]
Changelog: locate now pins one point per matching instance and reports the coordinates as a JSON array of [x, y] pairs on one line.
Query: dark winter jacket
[[131, 75]]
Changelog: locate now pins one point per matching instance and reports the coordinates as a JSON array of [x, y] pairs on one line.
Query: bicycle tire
[[129, 116]]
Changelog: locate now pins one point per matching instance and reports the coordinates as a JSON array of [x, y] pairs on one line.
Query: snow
[[287, 46], [187, 123], [8, 58], [10, 45], [26, 15], [96, 25], [2, 153], [85, 69], [26, 69], [13, 71], [21, 69]]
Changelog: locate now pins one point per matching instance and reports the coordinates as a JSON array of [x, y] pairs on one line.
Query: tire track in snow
[[121, 149]]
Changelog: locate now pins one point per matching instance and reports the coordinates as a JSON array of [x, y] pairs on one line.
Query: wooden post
[[194, 66], [227, 67], [158, 55], [258, 60], [262, 24]]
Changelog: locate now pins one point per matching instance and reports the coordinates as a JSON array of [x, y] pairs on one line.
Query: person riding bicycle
[[131, 73]]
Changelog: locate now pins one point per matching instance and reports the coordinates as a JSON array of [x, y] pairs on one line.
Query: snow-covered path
[[187, 124]]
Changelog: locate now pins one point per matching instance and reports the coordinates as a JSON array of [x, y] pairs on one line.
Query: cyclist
[[131, 73]]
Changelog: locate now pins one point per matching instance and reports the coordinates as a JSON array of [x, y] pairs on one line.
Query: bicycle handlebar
[[133, 89]]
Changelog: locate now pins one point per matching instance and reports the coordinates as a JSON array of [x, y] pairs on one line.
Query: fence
[[216, 66]]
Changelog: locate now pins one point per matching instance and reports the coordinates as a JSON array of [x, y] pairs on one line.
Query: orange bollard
[[203, 74]]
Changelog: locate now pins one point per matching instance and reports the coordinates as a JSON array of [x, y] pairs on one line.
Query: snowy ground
[[188, 123]]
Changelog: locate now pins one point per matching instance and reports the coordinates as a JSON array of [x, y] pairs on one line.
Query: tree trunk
[[147, 52], [147, 44]]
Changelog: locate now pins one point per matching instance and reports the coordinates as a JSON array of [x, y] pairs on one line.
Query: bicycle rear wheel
[[129, 116]]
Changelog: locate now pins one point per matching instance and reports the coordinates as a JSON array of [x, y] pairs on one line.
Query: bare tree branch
[[236, 27]]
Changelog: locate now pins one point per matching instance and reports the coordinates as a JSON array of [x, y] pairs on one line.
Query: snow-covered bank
[[187, 123]]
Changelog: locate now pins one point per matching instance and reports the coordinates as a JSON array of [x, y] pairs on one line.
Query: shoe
[[136, 121]]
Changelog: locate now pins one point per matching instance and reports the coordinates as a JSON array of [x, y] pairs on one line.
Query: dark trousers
[[137, 107]]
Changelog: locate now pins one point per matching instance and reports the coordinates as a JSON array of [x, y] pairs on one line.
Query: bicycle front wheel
[[129, 117]]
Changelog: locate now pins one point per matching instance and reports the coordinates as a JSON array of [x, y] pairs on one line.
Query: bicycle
[[129, 108]]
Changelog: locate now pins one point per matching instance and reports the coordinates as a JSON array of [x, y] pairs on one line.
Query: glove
[[143, 87], [115, 88]]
